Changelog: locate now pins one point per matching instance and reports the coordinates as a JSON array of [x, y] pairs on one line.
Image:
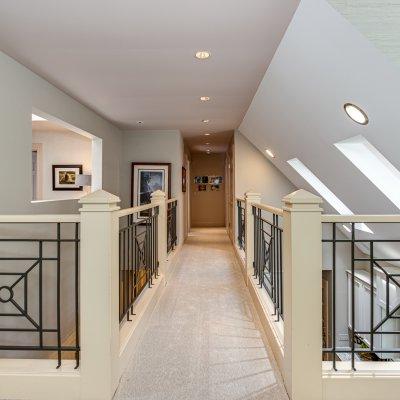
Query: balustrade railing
[[267, 263], [241, 223], [39, 286], [172, 238], [362, 282], [138, 254]]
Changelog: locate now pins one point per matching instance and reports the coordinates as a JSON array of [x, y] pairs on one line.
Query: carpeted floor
[[203, 341]]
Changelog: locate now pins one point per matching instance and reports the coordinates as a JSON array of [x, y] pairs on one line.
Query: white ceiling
[[134, 60], [322, 63]]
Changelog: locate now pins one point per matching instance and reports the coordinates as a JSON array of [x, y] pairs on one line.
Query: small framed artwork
[[215, 188], [146, 179], [65, 177], [184, 180], [215, 180], [202, 188], [197, 179]]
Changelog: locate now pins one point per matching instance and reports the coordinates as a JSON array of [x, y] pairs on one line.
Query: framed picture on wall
[[184, 180], [65, 177], [146, 179]]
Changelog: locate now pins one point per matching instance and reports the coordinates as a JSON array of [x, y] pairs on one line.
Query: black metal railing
[[138, 257], [364, 286], [268, 257], [39, 290], [172, 238], [241, 217]]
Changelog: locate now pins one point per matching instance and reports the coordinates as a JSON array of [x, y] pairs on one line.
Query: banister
[[44, 218], [394, 218], [133, 210], [265, 207]]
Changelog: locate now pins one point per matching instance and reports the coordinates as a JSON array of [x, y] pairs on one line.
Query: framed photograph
[[146, 179], [215, 180], [64, 177], [215, 188], [202, 188], [198, 179], [184, 180]]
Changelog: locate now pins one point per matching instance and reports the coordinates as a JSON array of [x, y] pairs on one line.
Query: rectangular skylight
[[323, 190], [373, 165]]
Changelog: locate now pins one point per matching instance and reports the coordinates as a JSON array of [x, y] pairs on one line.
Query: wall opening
[[66, 161]]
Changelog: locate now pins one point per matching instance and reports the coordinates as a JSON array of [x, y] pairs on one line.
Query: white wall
[[62, 148], [154, 146], [254, 172], [21, 90]]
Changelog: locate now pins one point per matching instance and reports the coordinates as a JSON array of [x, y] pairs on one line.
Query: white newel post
[[99, 290], [249, 231], [302, 279], [159, 198]]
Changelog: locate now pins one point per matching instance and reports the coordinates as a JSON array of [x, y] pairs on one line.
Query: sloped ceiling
[[378, 20], [322, 63]]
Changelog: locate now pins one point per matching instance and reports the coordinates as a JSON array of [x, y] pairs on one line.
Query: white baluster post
[[302, 295], [250, 198], [159, 198], [99, 295]]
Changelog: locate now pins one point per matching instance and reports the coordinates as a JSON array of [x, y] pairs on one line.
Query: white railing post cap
[[158, 195], [303, 198], [252, 196], [100, 200]]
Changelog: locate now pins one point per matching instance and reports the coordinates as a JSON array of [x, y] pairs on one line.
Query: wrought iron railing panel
[[138, 258], [39, 289], [241, 217], [268, 257], [172, 238], [366, 273]]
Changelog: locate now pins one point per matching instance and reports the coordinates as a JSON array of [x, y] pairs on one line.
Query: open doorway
[[66, 161], [207, 183]]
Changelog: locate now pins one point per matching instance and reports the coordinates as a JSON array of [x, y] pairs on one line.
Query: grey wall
[[153, 146], [254, 172], [20, 91]]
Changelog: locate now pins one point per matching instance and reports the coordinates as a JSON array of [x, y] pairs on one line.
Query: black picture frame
[[78, 170]]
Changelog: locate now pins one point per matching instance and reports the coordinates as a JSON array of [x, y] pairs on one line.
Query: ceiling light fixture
[[270, 153], [204, 98], [202, 55], [206, 121], [356, 114], [208, 143], [207, 134], [139, 122], [37, 118]]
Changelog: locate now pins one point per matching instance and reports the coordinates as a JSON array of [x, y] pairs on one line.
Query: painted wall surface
[[207, 207], [154, 146], [20, 91], [255, 173], [62, 148]]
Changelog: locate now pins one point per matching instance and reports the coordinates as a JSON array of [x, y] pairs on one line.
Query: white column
[[99, 302], [159, 198], [250, 198], [302, 280]]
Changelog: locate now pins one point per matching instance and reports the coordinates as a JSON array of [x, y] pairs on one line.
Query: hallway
[[203, 340]]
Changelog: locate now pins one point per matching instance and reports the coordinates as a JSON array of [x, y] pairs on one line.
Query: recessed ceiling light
[[270, 153], [356, 114], [204, 98], [208, 143], [37, 118], [203, 55], [139, 122], [206, 121], [207, 134]]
